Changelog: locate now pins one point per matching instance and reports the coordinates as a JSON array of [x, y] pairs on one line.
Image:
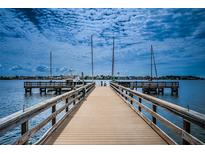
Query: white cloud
[[27, 36]]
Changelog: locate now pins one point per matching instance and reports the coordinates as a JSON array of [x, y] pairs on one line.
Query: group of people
[[103, 83]]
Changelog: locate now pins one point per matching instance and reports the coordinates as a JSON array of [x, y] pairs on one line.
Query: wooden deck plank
[[105, 119]]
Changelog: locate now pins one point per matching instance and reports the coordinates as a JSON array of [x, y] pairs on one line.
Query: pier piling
[[28, 90], [42, 90]]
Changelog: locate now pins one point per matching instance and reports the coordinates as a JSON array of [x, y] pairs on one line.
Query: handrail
[[30, 84], [23, 116], [189, 116], [138, 84]]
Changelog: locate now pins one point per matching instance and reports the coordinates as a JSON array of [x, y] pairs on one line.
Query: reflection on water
[[12, 99]]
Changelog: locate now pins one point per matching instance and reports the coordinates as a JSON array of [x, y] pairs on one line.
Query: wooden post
[[28, 90], [187, 128], [176, 91], [172, 91], [53, 110], [24, 128], [126, 94], [140, 101], [162, 90], [74, 100], [79, 94], [83, 78], [154, 108], [131, 95], [66, 102]]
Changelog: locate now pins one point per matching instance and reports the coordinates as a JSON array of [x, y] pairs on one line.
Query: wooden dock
[[152, 87], [45, 86], [105, 119], [105, 115]]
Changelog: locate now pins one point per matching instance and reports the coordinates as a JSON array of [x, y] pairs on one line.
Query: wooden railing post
[[66, 102], [140, 101], [24, 128], [53, 110], [154, 108], [120, 89], [79, 94], [131, 95], [74, 99], [126, 94], [84, 92], [187, 128]]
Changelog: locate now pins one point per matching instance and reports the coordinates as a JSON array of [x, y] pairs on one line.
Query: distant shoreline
[[102, 77]]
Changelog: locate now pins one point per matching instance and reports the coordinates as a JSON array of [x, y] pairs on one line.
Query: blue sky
[[28, 35]]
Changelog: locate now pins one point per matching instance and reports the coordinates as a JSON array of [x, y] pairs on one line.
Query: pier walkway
[[105, 119], [105, 115]]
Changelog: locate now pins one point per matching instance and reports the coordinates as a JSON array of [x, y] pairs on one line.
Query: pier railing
[[45, 84], [133, 98], [71, 99], [150, 84], [158, 84]]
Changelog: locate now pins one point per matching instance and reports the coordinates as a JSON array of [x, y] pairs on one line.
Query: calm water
[[12, 99], [192, 96]]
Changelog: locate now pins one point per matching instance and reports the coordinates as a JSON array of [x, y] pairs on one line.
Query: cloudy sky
[[27, 36]]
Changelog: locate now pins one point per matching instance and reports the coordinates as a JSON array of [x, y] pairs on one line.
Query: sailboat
[[151, 86], [153, 64]]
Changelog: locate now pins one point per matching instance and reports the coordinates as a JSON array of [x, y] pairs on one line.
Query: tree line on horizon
[[102, 77]]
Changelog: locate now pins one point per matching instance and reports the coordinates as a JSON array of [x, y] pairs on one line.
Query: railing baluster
[[187, 128], [53, 110], [154, 108]]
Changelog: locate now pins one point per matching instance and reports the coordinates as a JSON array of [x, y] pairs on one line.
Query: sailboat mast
[[155, 66], [92, 55], [51, 65], [113, 58], [151, 62]]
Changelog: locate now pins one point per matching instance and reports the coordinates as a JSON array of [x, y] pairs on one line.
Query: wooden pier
[[105, 115], [45, 86], [152, 87], [104, 119]]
